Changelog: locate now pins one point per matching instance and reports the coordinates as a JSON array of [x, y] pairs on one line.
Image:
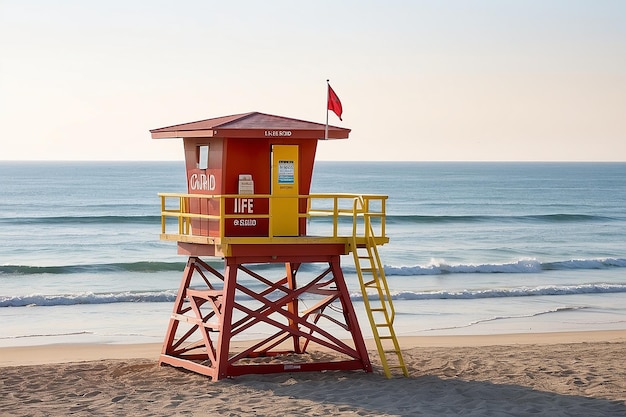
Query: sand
[[555, 374]]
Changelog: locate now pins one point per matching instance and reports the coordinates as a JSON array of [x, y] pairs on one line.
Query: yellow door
[[284, 210]]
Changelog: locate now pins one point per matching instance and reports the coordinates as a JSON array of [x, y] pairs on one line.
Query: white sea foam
[[504, 292], [437, 267], [42, 300]]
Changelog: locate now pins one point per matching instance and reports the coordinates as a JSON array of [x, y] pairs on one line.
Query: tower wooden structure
[[248, 202]]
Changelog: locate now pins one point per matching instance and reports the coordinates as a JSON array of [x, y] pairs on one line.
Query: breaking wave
[[434, 268], [169, 296], [516, 267]]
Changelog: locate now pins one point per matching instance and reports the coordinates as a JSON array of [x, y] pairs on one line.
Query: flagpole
[[327, 97]]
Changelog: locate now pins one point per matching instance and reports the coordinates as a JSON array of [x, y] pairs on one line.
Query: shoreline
[[85, 352]]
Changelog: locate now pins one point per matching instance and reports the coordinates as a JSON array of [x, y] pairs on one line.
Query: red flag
[[334, 103]]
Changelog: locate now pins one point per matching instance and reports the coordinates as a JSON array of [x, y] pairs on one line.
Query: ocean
[[475, 248]]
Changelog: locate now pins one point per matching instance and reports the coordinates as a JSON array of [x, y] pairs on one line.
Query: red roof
[[251, 125]]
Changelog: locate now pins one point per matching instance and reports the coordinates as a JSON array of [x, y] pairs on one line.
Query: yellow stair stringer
[[380, 311]]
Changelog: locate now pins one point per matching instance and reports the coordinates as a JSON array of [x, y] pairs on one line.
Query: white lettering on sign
[[244, 222], [244, 205], [278, 133], [202, 182]]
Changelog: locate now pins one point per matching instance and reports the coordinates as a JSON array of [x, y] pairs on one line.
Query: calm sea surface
[[475, 248]]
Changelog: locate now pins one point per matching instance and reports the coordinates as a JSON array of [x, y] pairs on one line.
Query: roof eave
[[177, 134]]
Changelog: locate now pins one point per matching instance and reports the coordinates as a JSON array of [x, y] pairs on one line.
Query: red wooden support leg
[[223, 341], [168, 344], [292, 306], [350, 314], [181, 347]]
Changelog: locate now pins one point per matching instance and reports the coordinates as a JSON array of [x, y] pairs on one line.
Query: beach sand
[[553, 374]]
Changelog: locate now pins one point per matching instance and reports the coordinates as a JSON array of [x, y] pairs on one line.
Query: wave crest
[[169, 296], [603, 288], [518, 292], [143, 266], [88, 298], [517, 267]]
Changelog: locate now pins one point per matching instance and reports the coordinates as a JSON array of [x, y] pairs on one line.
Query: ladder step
[[376, 272]]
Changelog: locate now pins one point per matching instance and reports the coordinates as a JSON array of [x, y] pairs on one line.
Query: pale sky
[[436, 80]]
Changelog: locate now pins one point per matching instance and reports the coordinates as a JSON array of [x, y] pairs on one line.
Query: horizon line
[[334, 160]]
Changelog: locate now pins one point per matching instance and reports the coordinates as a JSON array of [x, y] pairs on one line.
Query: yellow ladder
[[379, 308]]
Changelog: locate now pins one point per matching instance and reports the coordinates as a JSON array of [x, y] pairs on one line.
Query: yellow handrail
[[333, 206]]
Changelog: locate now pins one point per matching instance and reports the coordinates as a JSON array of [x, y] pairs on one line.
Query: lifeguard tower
[[248, 202]]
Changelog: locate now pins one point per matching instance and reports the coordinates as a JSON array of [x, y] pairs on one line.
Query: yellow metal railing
[[325, 207]]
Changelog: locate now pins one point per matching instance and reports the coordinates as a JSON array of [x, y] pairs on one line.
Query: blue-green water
[[474, 247]]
